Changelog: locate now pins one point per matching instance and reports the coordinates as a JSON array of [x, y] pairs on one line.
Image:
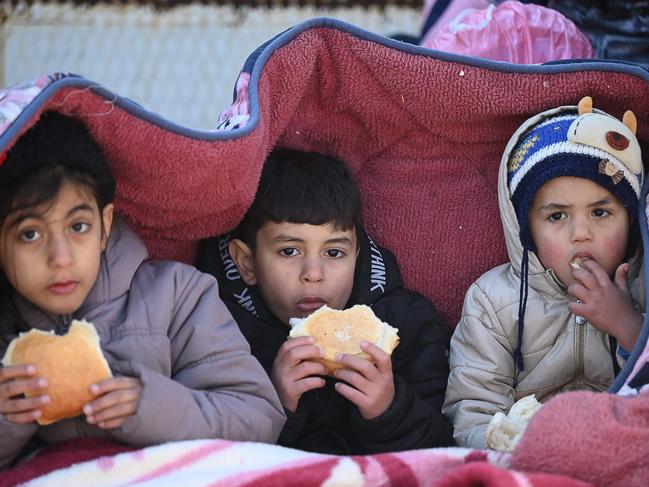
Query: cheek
[[614, 250], [345, 280], [550, 252]]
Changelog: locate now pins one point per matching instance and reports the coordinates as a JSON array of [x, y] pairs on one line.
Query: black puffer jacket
[[324, 420]]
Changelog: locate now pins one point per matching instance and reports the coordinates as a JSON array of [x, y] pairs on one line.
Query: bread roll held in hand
[[70, 363], [504, 431], [342, 331]]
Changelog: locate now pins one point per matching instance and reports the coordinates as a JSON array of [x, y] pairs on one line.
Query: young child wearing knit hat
[[561, 314]]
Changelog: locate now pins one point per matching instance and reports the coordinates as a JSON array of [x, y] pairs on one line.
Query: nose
[[60, 251], [312, 270], [581, 230]]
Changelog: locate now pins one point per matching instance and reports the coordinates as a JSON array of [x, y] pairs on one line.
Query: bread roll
[[503, 432], [342, 331], [70, 363]]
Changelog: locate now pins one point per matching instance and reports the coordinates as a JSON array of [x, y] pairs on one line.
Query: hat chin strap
[[522, 304]]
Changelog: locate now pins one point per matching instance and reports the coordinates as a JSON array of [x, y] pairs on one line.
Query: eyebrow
[[283, 238], [559, 206], [36, 216]]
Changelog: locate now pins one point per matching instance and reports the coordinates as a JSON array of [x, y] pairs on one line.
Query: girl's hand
[[368, 385], [294, 372], [606, 303], [119, 398], [15, 381]]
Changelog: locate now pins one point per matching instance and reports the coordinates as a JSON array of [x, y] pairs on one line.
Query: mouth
[[62, 288], [309, 304]]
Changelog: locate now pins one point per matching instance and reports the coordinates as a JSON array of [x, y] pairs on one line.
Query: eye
[[80, 227], [600, 212], [288, 251], [334, 253], [29, 236], [557, 216], [617, 140]]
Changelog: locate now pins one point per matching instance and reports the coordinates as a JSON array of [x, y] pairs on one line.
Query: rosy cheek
[[614, 249], [550, 253]]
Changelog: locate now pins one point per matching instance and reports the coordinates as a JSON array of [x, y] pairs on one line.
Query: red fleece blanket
[[422, 131]]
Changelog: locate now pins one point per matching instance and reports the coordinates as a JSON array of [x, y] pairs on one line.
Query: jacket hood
[[123, 255]]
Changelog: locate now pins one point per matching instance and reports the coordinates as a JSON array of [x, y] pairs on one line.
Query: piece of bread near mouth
[[577, 263], [342, 331], [70, 363]]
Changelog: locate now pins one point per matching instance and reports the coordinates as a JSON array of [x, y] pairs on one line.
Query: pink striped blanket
[[219, 463]]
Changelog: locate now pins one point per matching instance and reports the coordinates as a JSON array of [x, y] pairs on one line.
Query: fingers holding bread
[[117, 399], [296, 371], [69, 364], [15, 383]]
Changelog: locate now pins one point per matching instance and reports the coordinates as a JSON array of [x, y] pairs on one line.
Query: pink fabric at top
[[511, 31], [451, 11]]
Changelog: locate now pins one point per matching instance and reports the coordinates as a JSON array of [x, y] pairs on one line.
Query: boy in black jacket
[[302, 245]]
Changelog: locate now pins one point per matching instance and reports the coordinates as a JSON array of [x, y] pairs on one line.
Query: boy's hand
[[606, 303], [118, 399], [369, 386], [15, 381], [294, 370]]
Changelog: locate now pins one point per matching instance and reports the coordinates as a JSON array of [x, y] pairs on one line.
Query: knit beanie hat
[[578, 142]]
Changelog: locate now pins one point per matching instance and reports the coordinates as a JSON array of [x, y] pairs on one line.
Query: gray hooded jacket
[[164, 323]]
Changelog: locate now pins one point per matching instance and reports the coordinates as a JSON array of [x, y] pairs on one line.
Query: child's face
[[575, 217], [300, 267], [51, 253]]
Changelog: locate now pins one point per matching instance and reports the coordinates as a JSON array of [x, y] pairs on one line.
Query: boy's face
[[575, 217], [300, 267], [51, 253]]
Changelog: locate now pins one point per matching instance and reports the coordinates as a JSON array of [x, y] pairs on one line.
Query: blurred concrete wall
[[181, 63]]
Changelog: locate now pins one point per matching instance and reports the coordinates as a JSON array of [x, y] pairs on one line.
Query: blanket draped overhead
[[422, 130]]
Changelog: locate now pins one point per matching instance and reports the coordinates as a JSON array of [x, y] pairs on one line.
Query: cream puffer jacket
[[561, 351]]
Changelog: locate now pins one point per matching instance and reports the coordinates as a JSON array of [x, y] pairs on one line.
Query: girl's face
[[50, 253]]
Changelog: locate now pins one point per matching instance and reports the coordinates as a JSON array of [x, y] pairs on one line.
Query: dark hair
[[57, 149], [303, 187]]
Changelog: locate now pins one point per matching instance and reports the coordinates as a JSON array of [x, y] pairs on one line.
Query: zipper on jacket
[[580, 338], [63, 324]]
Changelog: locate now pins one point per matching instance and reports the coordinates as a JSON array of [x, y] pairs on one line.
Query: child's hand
[[293, 370], [15, 381], [118, 399], [606, 303], [369, 386]]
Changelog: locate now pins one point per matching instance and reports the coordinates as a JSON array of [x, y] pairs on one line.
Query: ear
[[630, 121], [585, 105], [107, 222], [244, 259]]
